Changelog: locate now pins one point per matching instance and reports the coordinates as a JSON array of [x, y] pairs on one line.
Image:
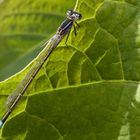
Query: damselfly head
[[73, 15]]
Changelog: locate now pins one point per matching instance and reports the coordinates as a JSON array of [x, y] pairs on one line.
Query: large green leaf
[[88, 90]]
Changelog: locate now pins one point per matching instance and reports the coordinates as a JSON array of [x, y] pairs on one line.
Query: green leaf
[[88, 90]]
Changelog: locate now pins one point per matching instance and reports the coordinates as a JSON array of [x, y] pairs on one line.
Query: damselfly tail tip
[[1, 123]]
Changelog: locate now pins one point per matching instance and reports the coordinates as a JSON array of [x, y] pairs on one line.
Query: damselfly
[[50, 45]]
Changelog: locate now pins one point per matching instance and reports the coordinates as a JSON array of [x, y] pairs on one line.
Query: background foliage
[[24, 26], [86, 91]]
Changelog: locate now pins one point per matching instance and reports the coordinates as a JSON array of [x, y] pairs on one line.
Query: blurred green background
[[24, 26]]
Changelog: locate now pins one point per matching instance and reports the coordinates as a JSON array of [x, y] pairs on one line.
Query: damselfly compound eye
[[78, 15], [69, 12]]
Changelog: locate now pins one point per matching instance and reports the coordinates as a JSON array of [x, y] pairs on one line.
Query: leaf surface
[[88, 90]]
